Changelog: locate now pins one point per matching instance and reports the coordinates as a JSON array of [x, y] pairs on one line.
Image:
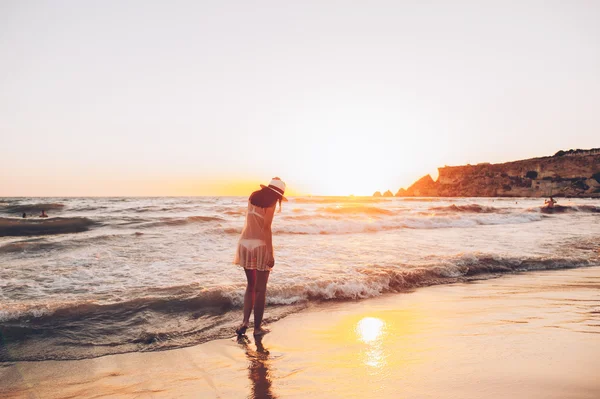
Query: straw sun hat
[[278, 186]]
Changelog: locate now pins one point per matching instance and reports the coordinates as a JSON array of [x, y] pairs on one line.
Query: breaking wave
[[315, 225], [40, 244], [569, 209], [352, 210], [31, 227], [378, 279], [470, 208], [179, 316], [174, 221], [369, 281]]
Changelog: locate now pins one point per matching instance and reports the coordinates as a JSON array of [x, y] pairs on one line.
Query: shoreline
[[274, 313], [525, 335]]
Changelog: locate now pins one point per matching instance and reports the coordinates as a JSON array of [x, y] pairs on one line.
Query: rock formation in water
[[573, 173], [388, 193]]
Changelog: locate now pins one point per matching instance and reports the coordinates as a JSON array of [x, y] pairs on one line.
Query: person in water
[[43, 215], [24, 215], [255, 251], [550, 202]]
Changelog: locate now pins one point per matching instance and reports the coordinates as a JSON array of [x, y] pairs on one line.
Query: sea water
[[114, 275]]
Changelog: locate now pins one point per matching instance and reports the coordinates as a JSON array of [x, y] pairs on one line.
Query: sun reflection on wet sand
[[371, 330]]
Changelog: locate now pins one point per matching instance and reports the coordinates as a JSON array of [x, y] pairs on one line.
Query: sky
[[109, 98]]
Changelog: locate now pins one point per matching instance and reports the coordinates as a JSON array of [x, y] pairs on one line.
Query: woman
[[255, 251]]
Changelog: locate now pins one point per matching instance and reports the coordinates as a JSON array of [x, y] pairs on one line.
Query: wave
[[353, 210], [569, 209], [376, 280], [318, 225], [427, 199], [88, 208], [142, 209], [232, 230], [158, 209], [31, 227], [40, 244], [342, 213], [27, 246], [367, 282], [330, 200], [168, 303], [345, 226], [32, 208], [181, 221], [126, 221], [240, 212], [588, 208], [306, 217], [470, 208], [186, 315], [228, 210]]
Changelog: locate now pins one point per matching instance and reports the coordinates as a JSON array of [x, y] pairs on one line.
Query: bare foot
[[259, 332], [242, 329]]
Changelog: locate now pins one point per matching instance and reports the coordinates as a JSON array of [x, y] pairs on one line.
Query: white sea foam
[[317, 225]]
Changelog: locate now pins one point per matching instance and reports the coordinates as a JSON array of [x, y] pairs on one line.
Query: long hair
[[265, 198]]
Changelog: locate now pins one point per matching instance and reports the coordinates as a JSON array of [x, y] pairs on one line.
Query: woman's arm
[[268, 234]]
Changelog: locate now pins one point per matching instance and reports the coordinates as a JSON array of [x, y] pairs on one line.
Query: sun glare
[[369, 329]]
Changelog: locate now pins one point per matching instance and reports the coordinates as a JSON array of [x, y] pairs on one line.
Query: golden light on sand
[[367, 337], [369, 329]]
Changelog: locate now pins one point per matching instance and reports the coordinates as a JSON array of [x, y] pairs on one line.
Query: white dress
[[255, 248]]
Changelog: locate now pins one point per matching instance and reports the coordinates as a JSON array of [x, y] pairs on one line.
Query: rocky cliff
[[574, 173]]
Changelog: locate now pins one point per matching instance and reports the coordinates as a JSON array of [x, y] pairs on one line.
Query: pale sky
[[335, 97]]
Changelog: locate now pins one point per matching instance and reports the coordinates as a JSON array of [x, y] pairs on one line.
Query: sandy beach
[[532, 335]]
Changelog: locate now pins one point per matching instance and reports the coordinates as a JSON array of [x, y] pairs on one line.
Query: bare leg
[[249, 296], [260, 293]]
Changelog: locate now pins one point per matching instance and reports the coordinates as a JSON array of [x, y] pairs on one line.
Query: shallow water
[[156, 273]]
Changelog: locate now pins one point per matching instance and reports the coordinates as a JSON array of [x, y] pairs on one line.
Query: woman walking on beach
[[255, 251]]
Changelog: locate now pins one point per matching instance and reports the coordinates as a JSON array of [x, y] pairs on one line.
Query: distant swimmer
[[24, 215], [550, 202], [43, 215]]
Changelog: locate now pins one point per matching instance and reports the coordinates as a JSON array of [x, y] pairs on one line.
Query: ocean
[[113, 275]]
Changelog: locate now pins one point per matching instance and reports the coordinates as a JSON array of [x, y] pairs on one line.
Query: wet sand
[[534, 335]]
